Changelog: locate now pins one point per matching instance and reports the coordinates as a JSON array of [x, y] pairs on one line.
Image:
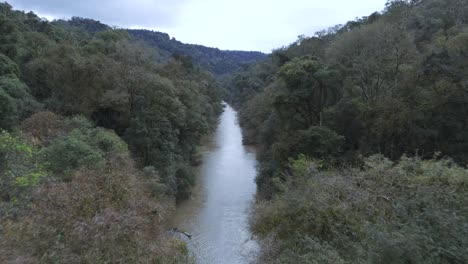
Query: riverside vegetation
[[362, 133], [97, 138], [363, 138]]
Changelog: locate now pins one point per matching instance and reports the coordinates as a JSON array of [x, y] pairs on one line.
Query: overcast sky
[[227, 24]]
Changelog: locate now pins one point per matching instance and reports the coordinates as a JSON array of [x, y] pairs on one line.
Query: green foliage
[[158, 189], [310, 87], [318, 142], [214, 60], [393, 83], [16, 101], [160, 103], [20, 169], [25, 102], [85, 73], [8, 113], [107, 141], [411, 211], [71, 152], [8, 67], [104, 214], [185, 180], [83, 146]]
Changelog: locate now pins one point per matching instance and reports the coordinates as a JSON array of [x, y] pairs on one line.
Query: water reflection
[[217, 214]]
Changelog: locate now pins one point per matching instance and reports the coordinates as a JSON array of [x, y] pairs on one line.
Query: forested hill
[[363, 139], [98, 133], [212, 59]]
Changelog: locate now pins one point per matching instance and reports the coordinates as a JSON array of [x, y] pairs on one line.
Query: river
[[218, 212]]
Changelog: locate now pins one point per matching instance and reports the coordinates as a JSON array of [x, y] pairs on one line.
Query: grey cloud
[[226, 24], [124, 13]]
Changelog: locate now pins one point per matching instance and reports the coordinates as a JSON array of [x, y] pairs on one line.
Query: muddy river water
[[217, 215]]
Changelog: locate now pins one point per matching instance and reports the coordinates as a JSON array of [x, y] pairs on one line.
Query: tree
[[310, 88], [372, 57]]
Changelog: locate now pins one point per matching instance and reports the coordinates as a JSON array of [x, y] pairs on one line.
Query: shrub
[[25, 102], [410, 211], [103, 214], [71, 152], [8, 111], [185, 180], [83, 146], [43, 127], [7, 66], [20, 170], [15, 102], [317, 142], [107, 141], [158, 189]]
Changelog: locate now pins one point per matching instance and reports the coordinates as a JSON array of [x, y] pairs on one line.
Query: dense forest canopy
[[219, 62], [363, 137], [361, 129], [98, 136]]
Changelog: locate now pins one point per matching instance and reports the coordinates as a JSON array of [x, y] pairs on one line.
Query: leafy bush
[[20, 169], [71, 152], [7, 66], [318, 142], [158, 189], [8, 111], [410, 211], [43, 127], [185, 180], [25, 102], [15, 102], [107, 141], [100, 214], [83, 146]]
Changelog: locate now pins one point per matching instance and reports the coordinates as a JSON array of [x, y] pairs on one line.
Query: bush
[[8, 111], [158, 189], [7, 66], [44, 127], [71, 152], [107, 141], [83, 146], [20, 170], [15, 102], [185, 180], [103, 214], [25, 102], [410, 211], [317, 142]]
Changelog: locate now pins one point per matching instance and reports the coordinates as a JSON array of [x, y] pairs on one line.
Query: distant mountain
[[215, 60]]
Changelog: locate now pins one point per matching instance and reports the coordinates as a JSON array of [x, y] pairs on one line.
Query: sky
[[260, 25]]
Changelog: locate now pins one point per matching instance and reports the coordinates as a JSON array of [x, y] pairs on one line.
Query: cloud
[[227, 24], [124, 13], [263, 24]]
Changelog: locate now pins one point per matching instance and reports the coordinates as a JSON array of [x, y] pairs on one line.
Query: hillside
[[98, 135], [362, 138], [212, 59]]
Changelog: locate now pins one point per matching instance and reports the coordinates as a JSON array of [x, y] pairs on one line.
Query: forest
[[98, 138], [361, 133], [363, 137]]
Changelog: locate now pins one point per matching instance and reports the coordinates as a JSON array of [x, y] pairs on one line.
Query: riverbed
[[217, 214]]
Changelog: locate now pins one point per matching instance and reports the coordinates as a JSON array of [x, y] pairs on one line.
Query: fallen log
[[176, 230]]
